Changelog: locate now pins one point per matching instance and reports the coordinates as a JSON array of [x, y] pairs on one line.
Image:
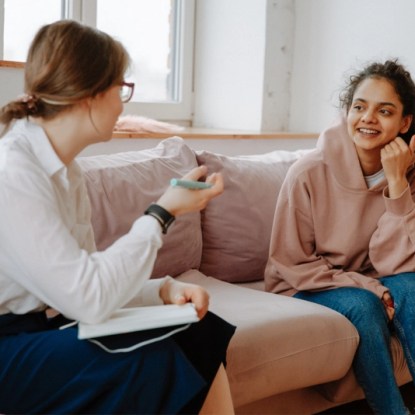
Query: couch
[[287, 356]]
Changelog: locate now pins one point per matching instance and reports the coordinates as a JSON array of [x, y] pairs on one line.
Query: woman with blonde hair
[[75, 89]]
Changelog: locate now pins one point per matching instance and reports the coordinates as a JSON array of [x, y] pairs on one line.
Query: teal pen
[[190, 184]]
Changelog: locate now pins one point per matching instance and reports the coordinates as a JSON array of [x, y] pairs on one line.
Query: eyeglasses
[[126, 91]]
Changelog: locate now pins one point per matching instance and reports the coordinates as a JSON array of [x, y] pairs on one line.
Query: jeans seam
[[402, 338]]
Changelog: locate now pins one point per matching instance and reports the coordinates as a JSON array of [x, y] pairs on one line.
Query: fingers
[[199, 297], [390, 312], [178, 200], [218, 185], [182, 293], [395, 147], [179, 299], [387, 299], [198, 199], [196, 173], [389, 305], [389, 302], [216, 179], [396, 158]]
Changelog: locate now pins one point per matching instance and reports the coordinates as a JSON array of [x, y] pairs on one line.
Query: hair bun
[[31, 102]]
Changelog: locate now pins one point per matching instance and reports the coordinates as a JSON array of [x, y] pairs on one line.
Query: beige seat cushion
[[281, 343]]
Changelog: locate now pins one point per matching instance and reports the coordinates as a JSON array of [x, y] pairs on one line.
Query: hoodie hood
[[339, 153]]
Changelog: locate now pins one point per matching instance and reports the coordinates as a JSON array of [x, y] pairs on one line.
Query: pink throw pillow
[[122, 185], [237, 224]]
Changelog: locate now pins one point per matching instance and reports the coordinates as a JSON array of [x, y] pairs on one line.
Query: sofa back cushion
[[237, 224], [122, 185]]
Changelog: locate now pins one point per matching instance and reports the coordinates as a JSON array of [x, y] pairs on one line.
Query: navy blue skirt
[[46, 370]]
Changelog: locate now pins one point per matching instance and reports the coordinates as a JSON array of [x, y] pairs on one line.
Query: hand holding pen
[[188, 194]]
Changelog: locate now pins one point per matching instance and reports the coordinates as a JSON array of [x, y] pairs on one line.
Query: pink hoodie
[[331, 231]]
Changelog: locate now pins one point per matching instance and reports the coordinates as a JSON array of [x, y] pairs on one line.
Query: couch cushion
[[281, 343], [237, 225], [122, 185]]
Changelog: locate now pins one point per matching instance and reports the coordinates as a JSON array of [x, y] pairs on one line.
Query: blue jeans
[[372, 363]]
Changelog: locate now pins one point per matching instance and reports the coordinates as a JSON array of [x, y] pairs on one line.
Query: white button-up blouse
[[47, 250]]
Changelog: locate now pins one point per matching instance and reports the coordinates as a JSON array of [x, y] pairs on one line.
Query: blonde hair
[[66, 62]]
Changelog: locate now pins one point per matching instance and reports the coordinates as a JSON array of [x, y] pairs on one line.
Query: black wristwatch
[[164, 217]]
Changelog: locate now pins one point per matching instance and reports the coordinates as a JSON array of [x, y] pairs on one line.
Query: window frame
[[180, 110]]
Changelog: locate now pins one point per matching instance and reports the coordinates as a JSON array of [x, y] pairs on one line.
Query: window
[[158, 34], [133, 24], [22, 18]]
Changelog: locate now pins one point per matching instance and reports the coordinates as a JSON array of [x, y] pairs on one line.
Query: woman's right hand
[[396, 157], [178, 292], [177, 200], [388, 303]]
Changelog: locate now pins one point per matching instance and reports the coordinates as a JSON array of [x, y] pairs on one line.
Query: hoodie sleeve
[[293, 264], [392, 246]]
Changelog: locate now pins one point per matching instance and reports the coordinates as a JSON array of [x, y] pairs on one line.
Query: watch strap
[[164, 217]]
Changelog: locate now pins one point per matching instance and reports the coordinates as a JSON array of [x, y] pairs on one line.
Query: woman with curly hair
[[344, 228]]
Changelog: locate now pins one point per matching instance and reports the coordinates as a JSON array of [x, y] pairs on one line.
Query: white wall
[[335, 37], [280, 34], [229, 62], [243, 61], [284, 71], [11, 84]]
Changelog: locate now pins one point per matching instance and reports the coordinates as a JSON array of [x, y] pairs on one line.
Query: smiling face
[[375, 117]]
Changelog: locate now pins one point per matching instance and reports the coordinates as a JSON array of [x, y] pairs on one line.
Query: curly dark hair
[[397, 75]]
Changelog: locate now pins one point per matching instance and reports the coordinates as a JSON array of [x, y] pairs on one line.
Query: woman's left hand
[[396, 157], [177, 292]]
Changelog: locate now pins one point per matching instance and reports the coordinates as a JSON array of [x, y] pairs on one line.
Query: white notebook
[[127, 320]]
